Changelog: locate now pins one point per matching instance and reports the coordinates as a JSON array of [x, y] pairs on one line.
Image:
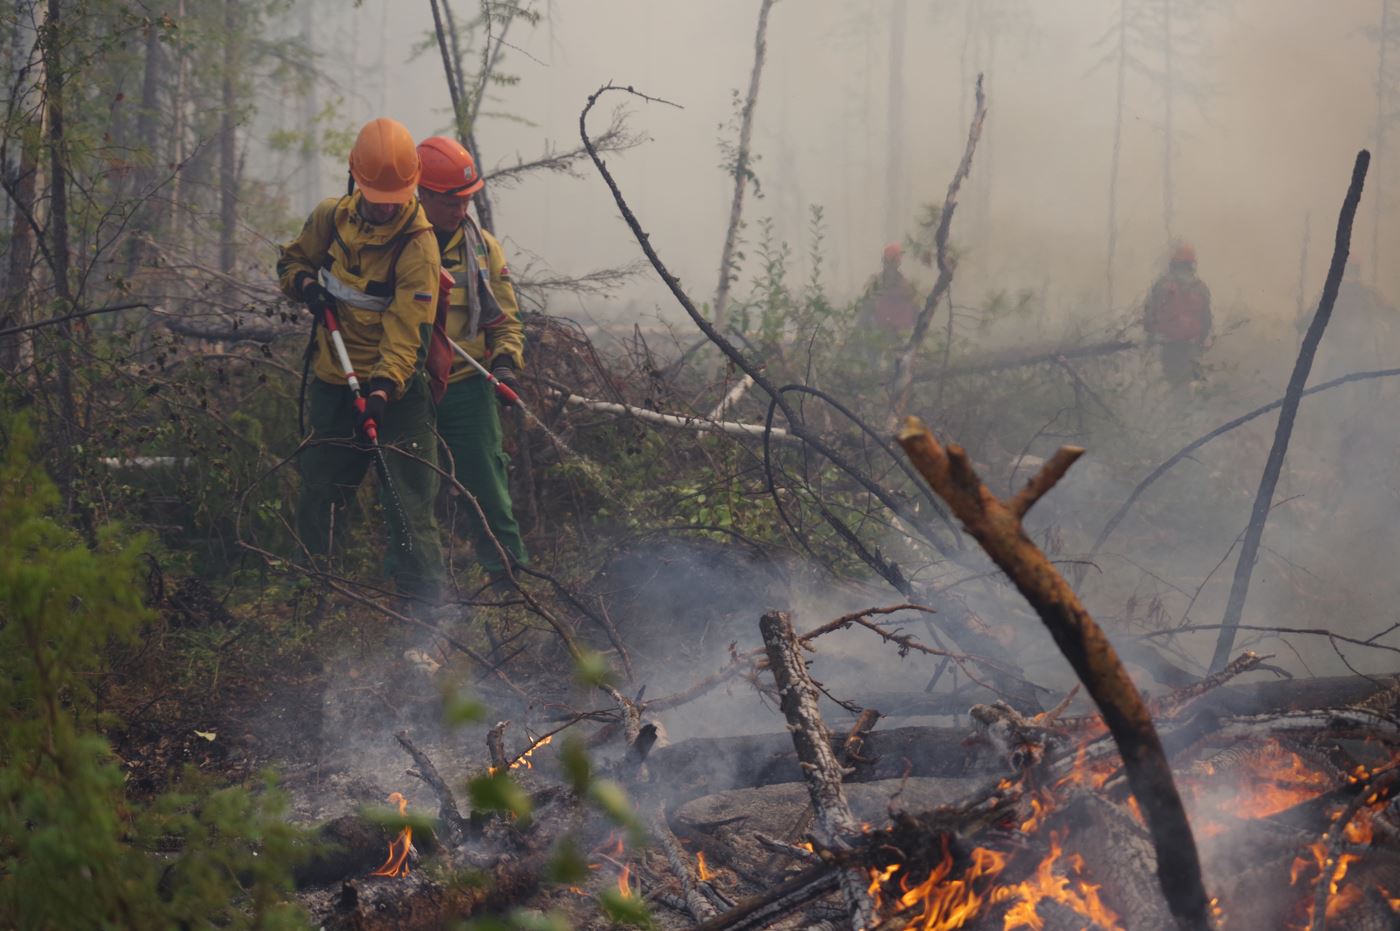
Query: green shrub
[[74, 851]]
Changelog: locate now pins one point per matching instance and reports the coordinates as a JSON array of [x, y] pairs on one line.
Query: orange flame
[[623, 881], [523, 760], [948, 904], [704, 873], [1083, 899], [400, 847]]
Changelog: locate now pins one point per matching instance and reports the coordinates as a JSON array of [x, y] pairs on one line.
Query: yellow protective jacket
[[385, 281], [483, 321]]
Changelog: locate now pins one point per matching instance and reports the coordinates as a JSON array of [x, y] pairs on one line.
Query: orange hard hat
[[448, 167], [384, 163], [1184, 252], [894, 251]]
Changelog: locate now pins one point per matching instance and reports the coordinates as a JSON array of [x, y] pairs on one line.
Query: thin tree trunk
[[1117, 151], [150, 155], [896, 201], [228, 142], [22, 181], [58, 210], [1302, 295], [310, 164], [471, 106], [1263, 500], [1168, 127], [1382, 98], [175, 224], [741, 168]]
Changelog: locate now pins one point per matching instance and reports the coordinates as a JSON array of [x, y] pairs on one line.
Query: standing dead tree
[[996, 525], [1387, 39], [1263, 500], [741, 166], [904, 368]]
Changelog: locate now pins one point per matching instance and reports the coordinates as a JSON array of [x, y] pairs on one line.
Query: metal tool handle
[[338, 342], [501, 387]]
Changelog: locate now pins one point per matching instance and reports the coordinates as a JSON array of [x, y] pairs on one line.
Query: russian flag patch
[[423, 297]]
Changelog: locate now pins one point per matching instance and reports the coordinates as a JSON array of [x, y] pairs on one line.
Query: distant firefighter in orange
[[1177, 317], [891, 304]]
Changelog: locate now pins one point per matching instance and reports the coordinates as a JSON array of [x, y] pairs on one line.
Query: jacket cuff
[[386, 385]]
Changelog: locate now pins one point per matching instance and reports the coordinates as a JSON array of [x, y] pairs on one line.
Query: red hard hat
[[1184, 252], [448, 167], [894, 251]]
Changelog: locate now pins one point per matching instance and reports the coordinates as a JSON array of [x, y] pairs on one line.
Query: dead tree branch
[[455, 826], [741, 166], [1292, 395], [997, 528], [904, 366], [820, 768], [616, 138], [696, 904], [741, 362], [762, 910]]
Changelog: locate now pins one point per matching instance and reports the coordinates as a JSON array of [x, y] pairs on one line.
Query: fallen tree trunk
[[699, 424], [1021, 358], [705, 765]]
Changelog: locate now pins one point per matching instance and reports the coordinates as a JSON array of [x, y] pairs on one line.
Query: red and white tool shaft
[[501, 387], [338, 343]]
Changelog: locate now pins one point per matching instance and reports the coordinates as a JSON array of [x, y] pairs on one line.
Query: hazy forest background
[[163, 655]]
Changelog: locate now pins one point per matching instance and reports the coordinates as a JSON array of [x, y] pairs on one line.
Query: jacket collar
[[409, 219]]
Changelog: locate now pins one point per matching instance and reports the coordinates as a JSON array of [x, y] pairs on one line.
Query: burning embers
[[1037, 846], [955, 895], [401, 847]]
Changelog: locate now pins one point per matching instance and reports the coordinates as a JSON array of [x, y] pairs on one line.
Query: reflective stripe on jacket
[[385, 281], [483, 319]]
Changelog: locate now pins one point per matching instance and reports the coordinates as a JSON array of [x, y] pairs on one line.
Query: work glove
[[376, 402], [316, 298], [504, 372]]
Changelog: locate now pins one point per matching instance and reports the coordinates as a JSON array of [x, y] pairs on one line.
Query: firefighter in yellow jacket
[[484, 319], [370, 258]]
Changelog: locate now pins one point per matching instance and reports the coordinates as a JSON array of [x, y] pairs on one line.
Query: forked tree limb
[[455, 826], [820, 769], [1048, 477], [1283, 432], [998, 529], [904, 367]]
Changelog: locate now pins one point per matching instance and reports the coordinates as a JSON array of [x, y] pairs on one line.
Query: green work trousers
[[335, 462], [469, 424]]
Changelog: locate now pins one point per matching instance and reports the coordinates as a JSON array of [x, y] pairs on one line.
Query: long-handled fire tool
[[370, 430], [504, 390]]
